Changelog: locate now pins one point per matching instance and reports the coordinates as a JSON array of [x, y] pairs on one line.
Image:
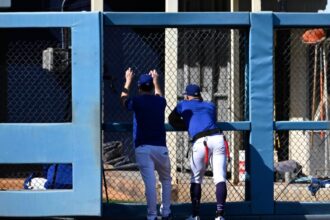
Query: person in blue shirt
[[199, 118], [149, 137]]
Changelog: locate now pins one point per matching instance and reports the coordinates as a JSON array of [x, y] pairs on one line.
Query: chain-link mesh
[[301, 94], [213, 58], [31, 94]]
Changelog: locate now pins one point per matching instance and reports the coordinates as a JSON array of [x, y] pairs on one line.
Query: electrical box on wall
[[55, 59], [5, 3]]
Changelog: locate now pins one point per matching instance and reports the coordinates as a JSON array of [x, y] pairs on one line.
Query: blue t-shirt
[[149, 117], [197, 115]]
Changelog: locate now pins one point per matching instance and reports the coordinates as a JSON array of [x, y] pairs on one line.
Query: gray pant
[[150, 158]]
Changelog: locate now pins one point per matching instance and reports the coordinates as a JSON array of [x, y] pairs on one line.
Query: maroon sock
[[195, 195], [221, 194]]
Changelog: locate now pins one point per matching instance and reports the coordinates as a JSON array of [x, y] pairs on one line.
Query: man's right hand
[[153, 73]]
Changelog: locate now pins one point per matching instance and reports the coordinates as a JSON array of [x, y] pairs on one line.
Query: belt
[[206, 133]]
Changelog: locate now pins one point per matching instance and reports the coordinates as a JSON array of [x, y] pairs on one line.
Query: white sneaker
[[193, 218], [219, 218]]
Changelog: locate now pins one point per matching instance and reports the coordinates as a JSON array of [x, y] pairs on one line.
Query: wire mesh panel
[[29, 93], [305, 175], [213, 58], [301, 94], [301, 76]]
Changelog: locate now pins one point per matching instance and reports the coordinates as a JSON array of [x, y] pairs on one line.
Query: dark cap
[[193, 90], [145, 80]]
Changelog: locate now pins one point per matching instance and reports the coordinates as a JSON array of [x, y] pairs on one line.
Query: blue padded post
[[261, 114]]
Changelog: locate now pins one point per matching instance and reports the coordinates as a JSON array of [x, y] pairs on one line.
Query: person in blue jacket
[[199, 117], [149, 137]]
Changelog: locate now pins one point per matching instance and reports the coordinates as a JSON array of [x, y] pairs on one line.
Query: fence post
[[171, 78], [260, 150]]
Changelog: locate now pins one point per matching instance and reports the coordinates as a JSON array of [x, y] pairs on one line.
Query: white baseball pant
[[217, 155]]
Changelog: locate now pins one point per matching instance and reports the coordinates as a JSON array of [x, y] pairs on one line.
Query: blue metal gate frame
[[261, 124], [77, 142], [224, 19]]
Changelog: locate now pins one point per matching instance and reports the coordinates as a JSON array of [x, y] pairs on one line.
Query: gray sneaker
[[169, 217], [219, 215], [193, 218]]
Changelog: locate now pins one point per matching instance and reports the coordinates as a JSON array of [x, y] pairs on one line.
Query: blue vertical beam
[[261, 113], [86, 118]]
